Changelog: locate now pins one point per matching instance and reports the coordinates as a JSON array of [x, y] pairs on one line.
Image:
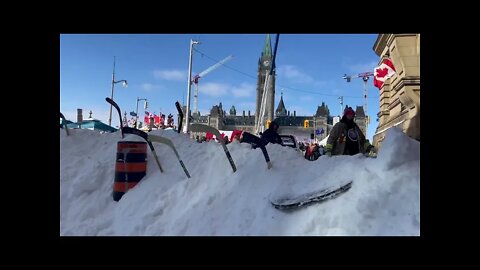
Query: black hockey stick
[[160, 139], [109, 100], [205, 128], [180, 112]]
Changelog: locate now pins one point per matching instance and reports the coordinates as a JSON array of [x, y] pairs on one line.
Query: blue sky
[[310, 68]]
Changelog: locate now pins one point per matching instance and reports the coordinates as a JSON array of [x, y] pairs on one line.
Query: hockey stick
[[109, 100], [168, 142], [180, 112], [205, 128]]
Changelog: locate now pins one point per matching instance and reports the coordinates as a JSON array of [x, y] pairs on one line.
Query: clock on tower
[[266, 63]]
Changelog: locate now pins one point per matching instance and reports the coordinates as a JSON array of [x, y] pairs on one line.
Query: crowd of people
[[154, 122]]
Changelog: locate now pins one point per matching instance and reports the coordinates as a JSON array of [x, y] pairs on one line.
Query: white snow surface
[[384, 198]]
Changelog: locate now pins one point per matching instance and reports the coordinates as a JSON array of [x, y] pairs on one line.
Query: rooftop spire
[[281, 111], [267, 50]]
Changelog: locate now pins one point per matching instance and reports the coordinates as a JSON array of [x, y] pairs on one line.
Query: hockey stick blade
[[160, 139], [114, 104], [205, 128], [311, 198]]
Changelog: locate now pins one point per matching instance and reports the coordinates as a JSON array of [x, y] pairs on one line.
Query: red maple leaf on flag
[[381, 72]]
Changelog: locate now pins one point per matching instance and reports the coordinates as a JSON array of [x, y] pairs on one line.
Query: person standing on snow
[[346, 138]]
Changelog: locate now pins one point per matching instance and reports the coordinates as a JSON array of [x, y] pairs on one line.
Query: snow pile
[[384, 198]]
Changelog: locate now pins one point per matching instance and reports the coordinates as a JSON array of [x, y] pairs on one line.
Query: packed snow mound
[[383, 200], [398, 148]]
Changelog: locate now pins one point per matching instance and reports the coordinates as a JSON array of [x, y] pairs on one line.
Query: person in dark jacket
[[271, 134], [346, 138]]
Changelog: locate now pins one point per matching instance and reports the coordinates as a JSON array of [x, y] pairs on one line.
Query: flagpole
[[365, 80]]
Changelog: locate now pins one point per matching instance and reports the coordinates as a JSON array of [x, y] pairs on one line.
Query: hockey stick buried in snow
[[114, 104], [205, 128], [160, 139], [64, 122], [180, 112]]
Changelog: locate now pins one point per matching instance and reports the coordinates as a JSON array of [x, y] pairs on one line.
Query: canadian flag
[[383, 72], [156, 119]]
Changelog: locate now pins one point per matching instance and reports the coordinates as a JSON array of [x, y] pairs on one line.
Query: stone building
[[400, 94]]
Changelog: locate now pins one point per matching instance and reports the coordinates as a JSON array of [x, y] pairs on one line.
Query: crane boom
[[360, 75], [212, 68], [202, 74]]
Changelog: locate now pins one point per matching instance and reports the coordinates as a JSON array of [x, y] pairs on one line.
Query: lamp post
[[187, 121], [136, 112], [341, 106], [124, 124], [365, 80], [111, 96]]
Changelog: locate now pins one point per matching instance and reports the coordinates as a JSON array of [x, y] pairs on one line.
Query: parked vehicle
[[289, 140]]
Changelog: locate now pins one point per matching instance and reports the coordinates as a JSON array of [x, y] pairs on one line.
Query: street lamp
[[136, 112], [187, 122], [124, 84], [341, 105]]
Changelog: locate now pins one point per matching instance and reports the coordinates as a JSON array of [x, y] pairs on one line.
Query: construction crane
[[365, 76], [202, 74]]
